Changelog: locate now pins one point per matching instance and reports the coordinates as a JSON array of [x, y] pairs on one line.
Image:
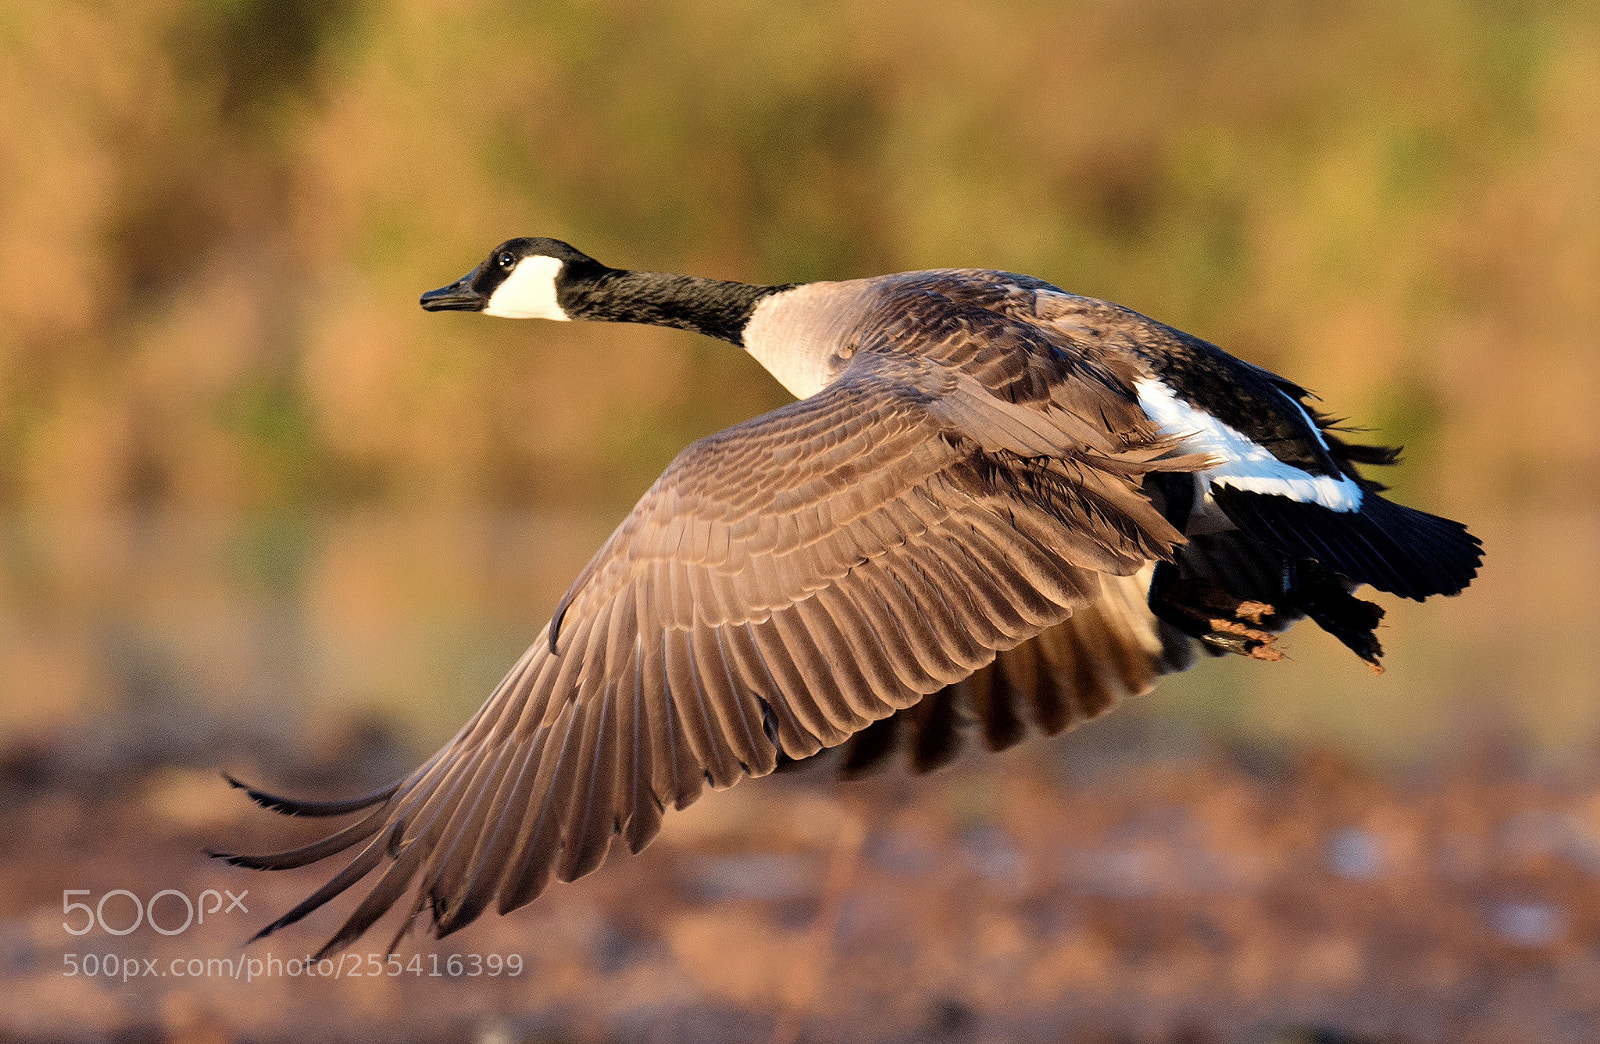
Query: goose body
[[994, 503]]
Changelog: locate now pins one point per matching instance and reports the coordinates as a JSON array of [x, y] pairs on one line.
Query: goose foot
[[1223, 622]]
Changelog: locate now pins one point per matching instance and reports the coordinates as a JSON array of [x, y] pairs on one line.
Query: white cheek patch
[[1245, 464], [529, 292]]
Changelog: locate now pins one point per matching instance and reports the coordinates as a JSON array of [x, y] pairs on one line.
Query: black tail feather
[[1393, 548], [1346, 452]]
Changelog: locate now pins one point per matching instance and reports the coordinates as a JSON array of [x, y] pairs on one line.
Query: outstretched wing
[[1107, 651], [784, 584]]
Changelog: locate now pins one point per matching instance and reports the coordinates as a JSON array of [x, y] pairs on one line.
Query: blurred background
[[259, 512]]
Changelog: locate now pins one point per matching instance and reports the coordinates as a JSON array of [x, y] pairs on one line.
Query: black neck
[[710, 306]]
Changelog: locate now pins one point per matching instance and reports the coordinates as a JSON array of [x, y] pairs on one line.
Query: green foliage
[[273, 423]]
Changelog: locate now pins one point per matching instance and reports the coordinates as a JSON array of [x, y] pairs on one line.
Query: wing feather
[[783, 586]]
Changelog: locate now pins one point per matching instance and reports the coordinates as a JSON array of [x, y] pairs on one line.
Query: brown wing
[[1107, 651], [783, 585]]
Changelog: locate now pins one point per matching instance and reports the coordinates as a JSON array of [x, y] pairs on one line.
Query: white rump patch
[[1245, 464], [529, 292]]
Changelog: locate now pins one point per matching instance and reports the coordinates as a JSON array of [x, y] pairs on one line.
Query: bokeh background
[[259, 512]]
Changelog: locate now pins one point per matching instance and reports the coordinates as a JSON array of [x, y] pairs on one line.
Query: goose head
[[548, 279], [524, 278]]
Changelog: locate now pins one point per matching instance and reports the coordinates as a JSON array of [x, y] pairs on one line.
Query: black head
[[521, 279]]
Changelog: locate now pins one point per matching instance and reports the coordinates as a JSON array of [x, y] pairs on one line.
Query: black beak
[[459, 296]]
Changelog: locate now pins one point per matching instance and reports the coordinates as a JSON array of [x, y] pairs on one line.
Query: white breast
[[799, 334]]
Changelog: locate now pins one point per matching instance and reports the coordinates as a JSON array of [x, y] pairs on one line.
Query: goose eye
[[506, 259]]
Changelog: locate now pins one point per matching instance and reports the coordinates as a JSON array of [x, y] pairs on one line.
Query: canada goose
[[995, 501]]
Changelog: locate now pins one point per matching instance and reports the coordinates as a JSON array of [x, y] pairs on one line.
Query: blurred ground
[[1089, 890]]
